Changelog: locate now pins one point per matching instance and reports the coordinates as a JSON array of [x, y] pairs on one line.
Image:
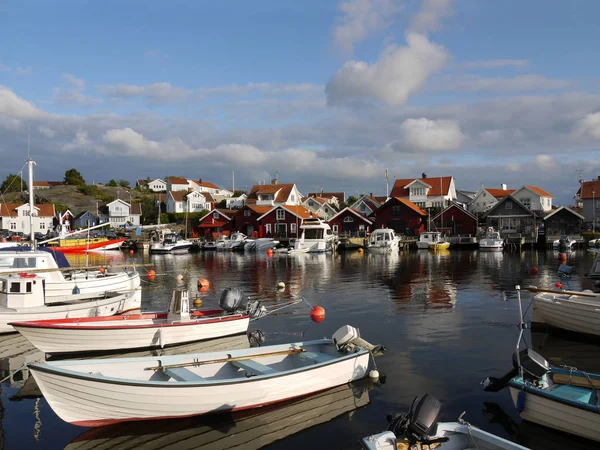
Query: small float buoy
[[203, 283], [360, 250], [151, 273], [204, 289], [197, 302], [269, 251], [562, 256], [281, 285], [374, 374], [558, 285], [179, 277], [317, 314], [131, 252], [151, 277], [534, 271], [102, 269]]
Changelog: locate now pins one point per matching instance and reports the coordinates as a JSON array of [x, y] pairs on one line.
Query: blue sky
[[326, 93]]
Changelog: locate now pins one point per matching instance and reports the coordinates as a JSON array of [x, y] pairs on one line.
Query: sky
[[322, 93]]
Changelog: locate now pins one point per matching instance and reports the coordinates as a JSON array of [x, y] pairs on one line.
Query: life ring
[[27, 275]]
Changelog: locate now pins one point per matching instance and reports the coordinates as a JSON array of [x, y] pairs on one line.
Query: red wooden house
[[350, 222], [283, 221], [215, 223], [401, 215], [245, 220], [455, 221]]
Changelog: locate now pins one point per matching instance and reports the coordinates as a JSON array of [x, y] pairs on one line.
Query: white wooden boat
[[100, 392], [22, 298], [60, 281], [166, 241], [236, 242], [420, 429], [492, 241], [577, 311], [316, 236], [566, 243], [254, 429], [565, 399], [383, 240], [432, 240], [177, 326]]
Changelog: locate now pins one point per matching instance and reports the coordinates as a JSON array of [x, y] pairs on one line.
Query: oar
[[554, 291], [237, 358], [66, 269]]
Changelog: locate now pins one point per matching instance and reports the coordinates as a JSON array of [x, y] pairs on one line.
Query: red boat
[[84, 245]]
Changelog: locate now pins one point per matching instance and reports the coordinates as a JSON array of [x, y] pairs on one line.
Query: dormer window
[[348, 219], [280, 214]]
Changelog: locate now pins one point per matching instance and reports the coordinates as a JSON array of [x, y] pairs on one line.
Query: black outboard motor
[[419, 422], [233, 299], [534, 368]]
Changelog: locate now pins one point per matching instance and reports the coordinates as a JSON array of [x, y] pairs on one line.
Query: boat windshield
[[18, 263], [313, 233]]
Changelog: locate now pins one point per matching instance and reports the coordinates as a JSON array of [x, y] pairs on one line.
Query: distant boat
[[100, 392], [432, 240], [83, 245], [315, 237], [167, 241], [236, 242], [383, 239], [492, 241], [564, 243], [259, 244]]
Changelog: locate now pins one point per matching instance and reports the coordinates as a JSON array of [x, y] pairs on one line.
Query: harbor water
[[448, 320]]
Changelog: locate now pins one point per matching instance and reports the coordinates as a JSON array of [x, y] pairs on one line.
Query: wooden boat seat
[[253, 368], [182, 374], [317, 357], [575, 380]]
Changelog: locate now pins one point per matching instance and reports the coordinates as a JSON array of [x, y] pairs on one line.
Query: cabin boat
[[93, 393], [222, 243], [566, 243], [383, 240], [316, 236], [62, 281], [22, 298], [209, 245], [577, 311], [432, 240], [419, 429], [492, 241], [236, 242], [563, 398], [176, 326], [167, 241], [259, 244]]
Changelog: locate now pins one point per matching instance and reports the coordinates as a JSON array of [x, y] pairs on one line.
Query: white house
[[157, 185], [274, 194], [15, 217], [366, 205], [236, 202], [320, 206], [177, 184], [119, 212], [214, 190], [194, 201], [486, 198], [534, 198], [426, 192]]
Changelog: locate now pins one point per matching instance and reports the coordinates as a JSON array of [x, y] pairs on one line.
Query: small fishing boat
[[222, 243], [22, 298], [167, 241], [383, 240], [577, 311], [81, 245], [315, 237], [492, 241], [177, 326], [566, 243], [209, 245], [236, 242], [594, 243], [419, 429], [563, 398], [100, 392], [432, 240]]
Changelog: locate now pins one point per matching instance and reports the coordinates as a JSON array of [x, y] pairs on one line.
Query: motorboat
[[222, 243], [79, 245], [167, 241], [260, 244], [419, 429], [564, 242], [316, 236], [209, 245], [383, 240], [22, 298], [93, 393], [236, 242], [432, 240], [61, 280], [577, 311], [562, 398], [594, 243], [176, 326], [492, 241]]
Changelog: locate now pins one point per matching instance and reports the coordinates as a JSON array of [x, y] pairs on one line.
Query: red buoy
[[317, 314], [562, 256], [558, 284], [101, 269], [534, 271], [203, 283], [151, 273], [269, 251]]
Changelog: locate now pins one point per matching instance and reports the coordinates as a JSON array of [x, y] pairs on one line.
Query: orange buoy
[[534, 271], [558, 284], [269, 251], [102, 269], [317, 314], [562, 256], [131, 252], [151, 273], [360, 250], [204, 289], [151, 277], [203, 283]]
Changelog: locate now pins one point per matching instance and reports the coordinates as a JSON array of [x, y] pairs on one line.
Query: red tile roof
[[260, 209], [341, 196], [48, 183], [590, 189], [499, 193], [265, 189], [142, 182], [539, 191], [177, 180], [299, 210], [411, 205], [206, 184], [178, 196], [436, 183], [10, 209]]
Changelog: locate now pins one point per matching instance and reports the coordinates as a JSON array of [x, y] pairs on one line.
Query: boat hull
[[568, 312], [93, 399], [559, 416], [113, 244], [127, 332]]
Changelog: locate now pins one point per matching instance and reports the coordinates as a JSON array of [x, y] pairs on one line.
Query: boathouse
[[245, 220], [509, 216], [283, 221], [215, 223], [350, 223], [455, 221], [563, 221], [401, 215]]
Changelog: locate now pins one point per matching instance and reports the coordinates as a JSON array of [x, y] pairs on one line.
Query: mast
[[30, 163]]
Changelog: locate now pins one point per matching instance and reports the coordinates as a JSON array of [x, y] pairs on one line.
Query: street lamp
[[594, 211]]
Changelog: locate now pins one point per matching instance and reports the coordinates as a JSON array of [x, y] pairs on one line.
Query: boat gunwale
[[53, 368]]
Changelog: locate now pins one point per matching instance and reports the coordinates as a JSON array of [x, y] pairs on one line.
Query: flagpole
[[387, 191]]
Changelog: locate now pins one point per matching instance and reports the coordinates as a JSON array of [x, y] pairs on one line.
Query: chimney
[[503, 186], [199, 180], [274, 181], [371, 194], [423, 175]]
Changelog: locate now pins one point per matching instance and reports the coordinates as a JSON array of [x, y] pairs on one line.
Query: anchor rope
[[13, 372]]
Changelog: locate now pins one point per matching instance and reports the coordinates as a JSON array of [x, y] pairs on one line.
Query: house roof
[[439, 186], [320, 200], [177, 180], [499, 193], [178, 196], [47, 183], [10, 209], [412, 206], [538, 191], [282, 190], [206, 184], [208, 196], [136, 208], [82, 213], [260, 209], [298, 210], [564, 207], [355, 212], [501, 201], [228, 213], [341, 196], [142, 182], [370, 201], [160, 196], [455, 205], [590, 189]]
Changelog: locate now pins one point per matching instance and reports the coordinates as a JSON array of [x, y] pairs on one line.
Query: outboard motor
[[348, 337], [233, 299], [534, 368], [416, 426]]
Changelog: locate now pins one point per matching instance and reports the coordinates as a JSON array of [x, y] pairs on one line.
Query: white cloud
[[546, 162], [496, 63], [430, 135], [81, 141], [398, 73], [73, 92], [430, 15], [589, 126], [361, 18], [15, 107], [519, 83], [263, 88], [47, 131], [156, 93]]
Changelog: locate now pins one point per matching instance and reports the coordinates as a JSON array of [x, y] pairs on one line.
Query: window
[[396, 210], [15, 287], [292, 198], [13, 225], [526, 201], [293, 228], [268, 228], [42, 226], [509, 205], [485, 194], [215, 216], [362, 207], [280, 214], [247, 213], [335, 228], [348, 219]]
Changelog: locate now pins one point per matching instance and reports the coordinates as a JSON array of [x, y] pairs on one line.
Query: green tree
[[351, 200], [12, 184], [72, 176], [124, 184], [113, 183], [149, 211]]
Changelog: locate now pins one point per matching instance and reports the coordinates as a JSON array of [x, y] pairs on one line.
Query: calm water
[[448, 320]]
